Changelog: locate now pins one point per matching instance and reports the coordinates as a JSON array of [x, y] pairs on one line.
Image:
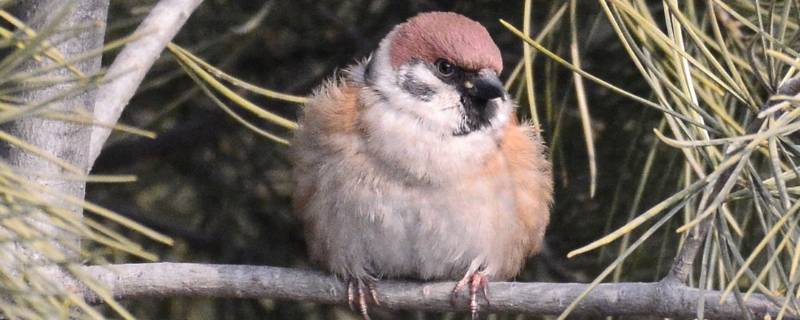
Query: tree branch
[[131, 65], [128, 281]]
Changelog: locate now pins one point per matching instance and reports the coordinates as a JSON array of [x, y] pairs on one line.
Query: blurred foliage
[[223, 191]]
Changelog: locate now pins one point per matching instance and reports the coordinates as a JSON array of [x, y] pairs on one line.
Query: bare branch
[[128, 281], [131, 65]]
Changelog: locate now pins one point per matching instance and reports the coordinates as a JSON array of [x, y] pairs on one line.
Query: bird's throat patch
[[478, 114]]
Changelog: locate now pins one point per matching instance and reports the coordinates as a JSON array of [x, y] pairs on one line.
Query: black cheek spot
[[418, 89]]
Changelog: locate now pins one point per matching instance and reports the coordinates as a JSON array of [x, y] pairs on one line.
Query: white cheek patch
[[441, 108]]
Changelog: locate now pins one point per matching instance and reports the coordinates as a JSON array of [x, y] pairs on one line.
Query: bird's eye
[[445, 68]]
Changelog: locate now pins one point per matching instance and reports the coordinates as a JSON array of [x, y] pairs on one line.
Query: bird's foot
[[476, 281], [357, 290]]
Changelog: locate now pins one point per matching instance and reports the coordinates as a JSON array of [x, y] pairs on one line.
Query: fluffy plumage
[[384, 188]]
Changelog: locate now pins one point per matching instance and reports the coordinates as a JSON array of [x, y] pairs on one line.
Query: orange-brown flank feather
[[531, 175], [335, 114], [520, 157]]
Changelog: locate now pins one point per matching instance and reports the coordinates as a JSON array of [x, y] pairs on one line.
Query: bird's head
[[441, 68]]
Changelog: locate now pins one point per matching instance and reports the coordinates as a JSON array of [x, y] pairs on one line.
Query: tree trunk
[[79, 30]]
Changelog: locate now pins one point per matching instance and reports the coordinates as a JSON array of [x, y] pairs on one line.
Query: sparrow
[[411, 164]]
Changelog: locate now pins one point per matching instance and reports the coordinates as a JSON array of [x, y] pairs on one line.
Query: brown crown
[[445, 35]]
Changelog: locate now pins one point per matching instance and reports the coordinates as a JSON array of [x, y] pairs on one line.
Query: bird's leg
[[357, 293], [475, 281]]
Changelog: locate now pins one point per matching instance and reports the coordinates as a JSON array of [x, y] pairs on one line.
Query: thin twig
[[131, 65]]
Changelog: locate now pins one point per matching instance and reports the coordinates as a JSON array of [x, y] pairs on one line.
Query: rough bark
[[67, 141]]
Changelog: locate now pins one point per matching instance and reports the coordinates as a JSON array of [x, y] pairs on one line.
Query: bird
[[412, 164]]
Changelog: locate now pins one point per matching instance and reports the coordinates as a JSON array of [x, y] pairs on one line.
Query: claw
[[350, 295], [460, 285], [473, 296], [356, 294], [362, 302], [485, 285], [476, 282], [373, 293]]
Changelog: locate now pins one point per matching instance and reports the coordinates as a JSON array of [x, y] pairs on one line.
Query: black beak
[[486, 86]]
